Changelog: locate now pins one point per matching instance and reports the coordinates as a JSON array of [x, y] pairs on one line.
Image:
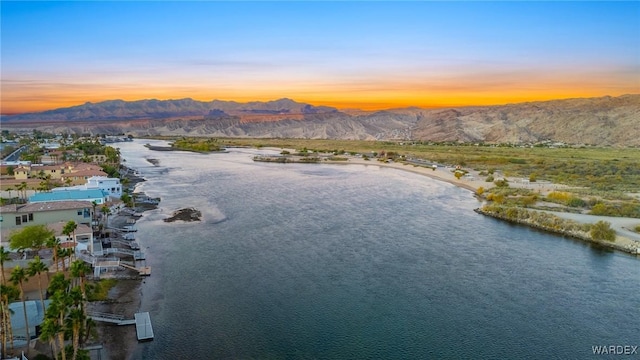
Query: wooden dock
[[144, 330], [142, 271]]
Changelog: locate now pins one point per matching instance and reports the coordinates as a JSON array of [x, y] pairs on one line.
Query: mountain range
[[602, 121]]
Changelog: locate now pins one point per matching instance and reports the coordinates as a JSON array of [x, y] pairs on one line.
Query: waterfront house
[[83, 235], [65, 194], [109, 185], [17, 216]]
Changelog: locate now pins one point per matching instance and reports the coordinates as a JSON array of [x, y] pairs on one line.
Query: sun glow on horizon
[[369, 56], [34, 105], [16, 100]]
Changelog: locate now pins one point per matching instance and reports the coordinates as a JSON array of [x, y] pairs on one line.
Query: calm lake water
[[308, 261]]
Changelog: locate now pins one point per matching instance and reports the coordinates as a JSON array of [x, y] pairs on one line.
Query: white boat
[[129, 228]]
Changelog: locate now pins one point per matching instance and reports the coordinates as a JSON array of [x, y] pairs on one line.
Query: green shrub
[[616, 209], [489, 178], [100, 289], [576, 202], [558, 196], [602, 231]]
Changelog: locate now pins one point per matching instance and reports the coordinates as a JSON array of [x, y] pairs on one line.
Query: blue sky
[[345, 54]]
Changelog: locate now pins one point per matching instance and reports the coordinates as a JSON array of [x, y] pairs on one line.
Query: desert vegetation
[[549, 222], [597, 171], [195, 144]]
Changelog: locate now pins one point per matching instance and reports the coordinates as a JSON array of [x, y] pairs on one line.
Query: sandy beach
[[471, 182]]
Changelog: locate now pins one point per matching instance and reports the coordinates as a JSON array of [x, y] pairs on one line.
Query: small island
[[185, 214], [189, 144]]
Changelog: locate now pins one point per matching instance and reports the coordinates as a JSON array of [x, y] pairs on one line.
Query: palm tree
[[4, 256], [8, 293], [63, 254], [22, 188], [106, 211], [47, 182], [54, 244], [76, 319], [18, 277], [58, 283], [70, 229], [37, 267], [80, 270], [57, 311], [16, 188], [94, 204], [50, 328], [5, 316]]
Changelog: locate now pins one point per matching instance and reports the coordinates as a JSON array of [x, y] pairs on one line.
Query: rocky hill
[[597, 121]]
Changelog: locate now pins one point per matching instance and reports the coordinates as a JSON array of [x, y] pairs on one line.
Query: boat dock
[[144, 330], [142, 271]]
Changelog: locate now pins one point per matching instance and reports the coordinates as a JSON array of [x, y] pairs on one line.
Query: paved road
[[620, 224], [15, 156]]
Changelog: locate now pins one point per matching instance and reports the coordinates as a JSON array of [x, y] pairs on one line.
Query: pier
[[142, 271], [144, 330], [110, 318], [142, 321]]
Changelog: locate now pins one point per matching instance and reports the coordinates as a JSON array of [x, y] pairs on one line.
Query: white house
[[111, 186]]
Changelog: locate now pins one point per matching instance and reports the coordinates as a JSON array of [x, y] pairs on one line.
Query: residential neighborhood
[[59, 196]]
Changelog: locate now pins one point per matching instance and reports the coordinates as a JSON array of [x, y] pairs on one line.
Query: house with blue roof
[[90, 195]]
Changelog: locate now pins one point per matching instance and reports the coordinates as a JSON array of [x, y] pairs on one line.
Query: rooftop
[[72, 194], [44, 206], [58, 227], [90, 172]]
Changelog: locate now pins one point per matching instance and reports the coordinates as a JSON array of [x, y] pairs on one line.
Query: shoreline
[[437, 174], [625, 244], [120, 342], [125, 298], [626, 248]]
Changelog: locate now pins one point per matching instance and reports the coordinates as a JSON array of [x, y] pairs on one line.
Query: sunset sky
[[367, 55]]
